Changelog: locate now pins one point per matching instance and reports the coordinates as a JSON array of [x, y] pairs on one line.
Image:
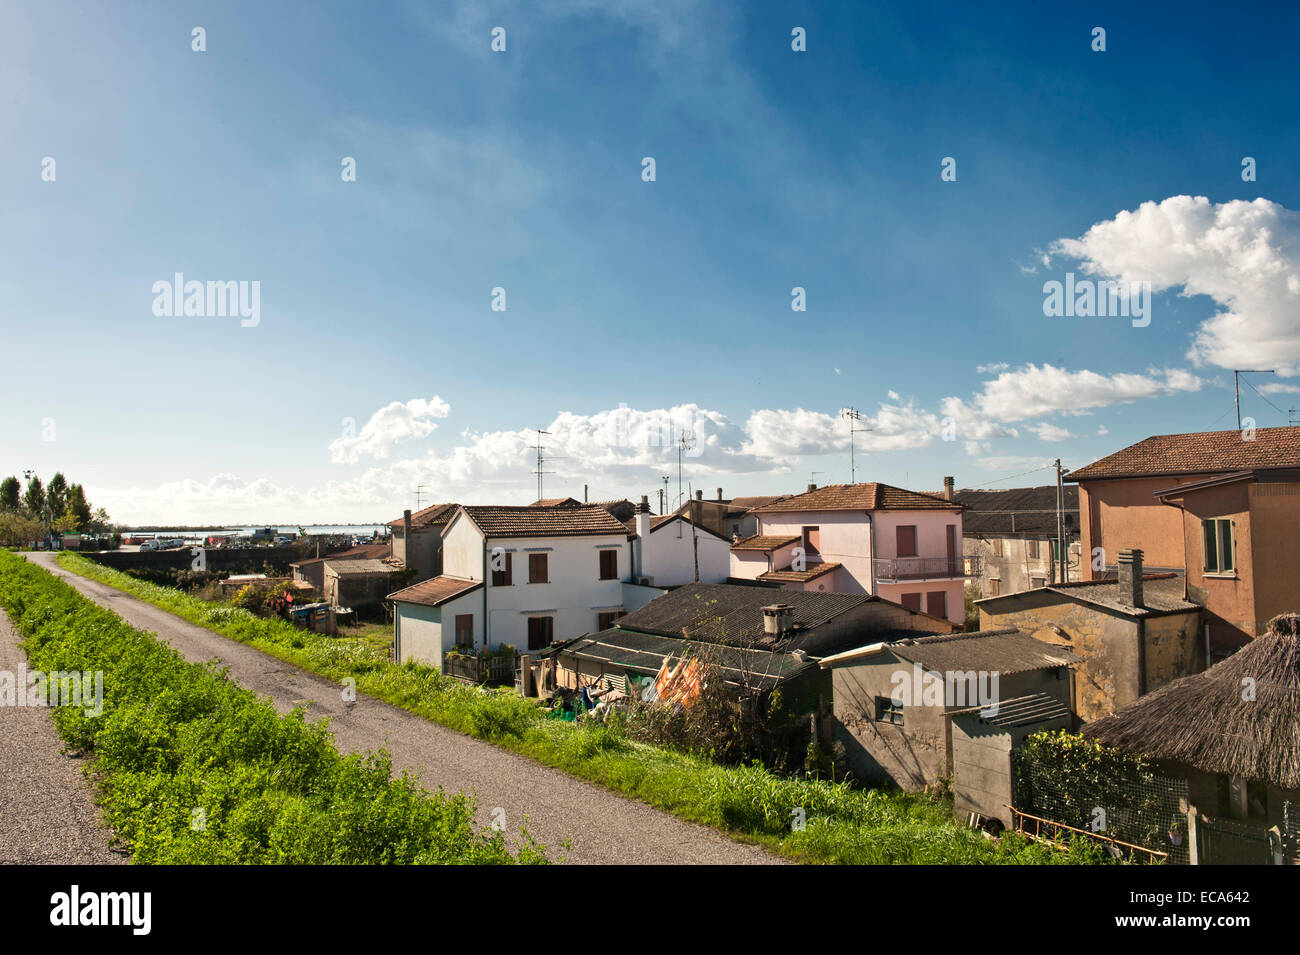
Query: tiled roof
[[1161, 594], [568, 521], [360, 552], [435, 591], [858, 497], [745, 503], [345, 567], [555, 502], [764, 543], [427, 516], [798, 576], [1017, 511], [731, 613], [1205, 452], [645, 653], [1004, 650], [659, 520]]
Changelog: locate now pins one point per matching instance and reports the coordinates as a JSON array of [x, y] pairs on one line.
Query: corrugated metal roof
[[1020, 711], [436, 591]]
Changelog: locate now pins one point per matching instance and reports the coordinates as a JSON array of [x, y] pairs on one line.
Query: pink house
[[862, 538]]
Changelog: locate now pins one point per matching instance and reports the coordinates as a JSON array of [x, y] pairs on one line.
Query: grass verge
[[191, 768], [842, 824]]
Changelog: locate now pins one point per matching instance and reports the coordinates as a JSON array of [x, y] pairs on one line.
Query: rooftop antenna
[[854, 416], [663, 495], [541, 459], [1290, 417], [812, 475], [1236, 385], [419, 490], [684, 444]]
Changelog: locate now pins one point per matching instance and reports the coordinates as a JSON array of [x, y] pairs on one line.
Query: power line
[[1010, 476]]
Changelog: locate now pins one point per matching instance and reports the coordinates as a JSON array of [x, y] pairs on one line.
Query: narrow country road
[[47, 811], [602, 826]]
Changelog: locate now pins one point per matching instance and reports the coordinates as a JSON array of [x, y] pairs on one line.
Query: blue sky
[[378, 363]]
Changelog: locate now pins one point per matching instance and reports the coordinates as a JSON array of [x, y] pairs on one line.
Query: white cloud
[[1102, 429], [1049, 432], [1033, 391], [393, 423], [1243, 255], [1274, 388]]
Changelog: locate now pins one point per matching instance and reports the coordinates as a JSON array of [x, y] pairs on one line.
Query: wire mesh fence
[[1142, 810]]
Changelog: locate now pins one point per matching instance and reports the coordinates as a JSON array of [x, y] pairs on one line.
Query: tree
[[79, 507], [34, 498], [10, 495], [18, 530], [56, 495]]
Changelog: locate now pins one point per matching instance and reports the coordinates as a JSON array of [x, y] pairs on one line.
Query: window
[[812, 538], [905, 536], [537, 569], [505, 576], [1036, 582], [887, 711], [1032, 547], [995, 587], [609, 565], [1220, 548], [541, 630], [997, 547], [606, 620], [936, 603], [911, 602], [464, 630]]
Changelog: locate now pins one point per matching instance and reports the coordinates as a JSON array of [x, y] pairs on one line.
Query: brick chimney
[[948, 484], [1130, 578], [406, 536], [812, 487], [719, 494]]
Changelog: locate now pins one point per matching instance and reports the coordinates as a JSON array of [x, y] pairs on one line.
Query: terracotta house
[[872, 538], [1220, 507]]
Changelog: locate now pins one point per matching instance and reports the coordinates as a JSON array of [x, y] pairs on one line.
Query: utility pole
[[540, 459], [1060, 526], [1236, 385], [854, 416]]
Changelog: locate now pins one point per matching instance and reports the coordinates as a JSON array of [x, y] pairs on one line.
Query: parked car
[[283, 541], [151, 544]]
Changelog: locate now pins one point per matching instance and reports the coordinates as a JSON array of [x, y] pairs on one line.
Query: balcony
[[896, 569]]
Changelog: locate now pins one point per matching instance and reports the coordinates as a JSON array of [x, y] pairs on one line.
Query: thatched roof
[[1203, 721]]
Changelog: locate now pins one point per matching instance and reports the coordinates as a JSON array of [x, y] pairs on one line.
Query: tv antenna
[[854, 416], [541, 459], [663, 495], [419, 490], [684, 444]]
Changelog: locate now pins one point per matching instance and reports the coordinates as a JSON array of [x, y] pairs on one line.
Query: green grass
[[191, 768], [843, 824]]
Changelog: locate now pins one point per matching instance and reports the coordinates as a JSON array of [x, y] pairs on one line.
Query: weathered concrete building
[[358, 584], [417, 539], [1134, 634], [894, 701], [1012, 533]]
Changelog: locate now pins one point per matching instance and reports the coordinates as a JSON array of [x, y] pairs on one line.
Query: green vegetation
[[26, 516], [843, 824], [191, 768]]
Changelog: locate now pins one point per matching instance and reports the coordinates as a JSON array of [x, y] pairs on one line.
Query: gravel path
[[47, 812], [602, 826]]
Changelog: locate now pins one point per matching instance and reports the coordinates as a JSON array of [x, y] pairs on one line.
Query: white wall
[[574, 597], [421, 634], [668, 555], [462, 550]]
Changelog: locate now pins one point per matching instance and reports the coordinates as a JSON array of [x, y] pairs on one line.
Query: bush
[[192, 768]]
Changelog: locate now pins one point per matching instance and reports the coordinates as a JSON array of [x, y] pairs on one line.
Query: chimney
[[719, 494], [642, 525], [406, 535], [947, 488], [812, 487], [778, 620], [1130, 578], [699, 495], [584, 494]]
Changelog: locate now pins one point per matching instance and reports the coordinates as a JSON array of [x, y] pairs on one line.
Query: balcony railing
[[925, 568]]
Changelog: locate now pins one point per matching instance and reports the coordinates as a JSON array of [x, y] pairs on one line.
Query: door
[[952, 550]]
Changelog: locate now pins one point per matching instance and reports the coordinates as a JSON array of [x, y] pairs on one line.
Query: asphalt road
[[47, 813], [602, 826]]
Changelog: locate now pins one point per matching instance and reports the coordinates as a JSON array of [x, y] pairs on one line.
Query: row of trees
[[24, 512]]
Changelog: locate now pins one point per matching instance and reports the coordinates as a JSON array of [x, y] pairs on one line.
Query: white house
[[671, 549], [521, 576]]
